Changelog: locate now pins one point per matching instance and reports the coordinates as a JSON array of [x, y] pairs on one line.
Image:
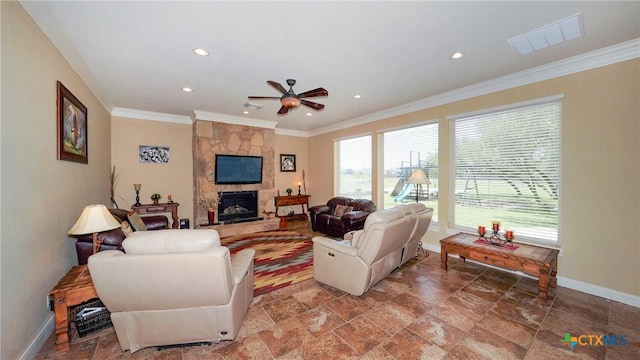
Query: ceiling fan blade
[[263, 97], [277, 86], [283, 110], [314, 93], [312, 104]]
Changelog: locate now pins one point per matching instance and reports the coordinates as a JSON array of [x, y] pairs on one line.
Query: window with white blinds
[[406, 150], [354, 172], [506, 167]]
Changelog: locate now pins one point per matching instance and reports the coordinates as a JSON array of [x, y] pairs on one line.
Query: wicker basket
[[94, 321]]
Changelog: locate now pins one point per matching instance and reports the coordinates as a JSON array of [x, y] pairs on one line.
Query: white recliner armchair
[[173, 287], [423, 217], [374, 252]]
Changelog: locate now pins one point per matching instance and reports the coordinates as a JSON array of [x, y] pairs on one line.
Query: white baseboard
[[38, 342], [582, 286]]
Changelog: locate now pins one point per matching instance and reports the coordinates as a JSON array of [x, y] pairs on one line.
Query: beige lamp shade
[[418, 177], [94, 219]]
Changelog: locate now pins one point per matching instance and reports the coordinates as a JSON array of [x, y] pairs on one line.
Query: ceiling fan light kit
[[291, 100]]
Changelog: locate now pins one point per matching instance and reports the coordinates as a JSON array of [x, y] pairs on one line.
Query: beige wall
[[41, 196], [175, 177], [286, 144], [600, 169]]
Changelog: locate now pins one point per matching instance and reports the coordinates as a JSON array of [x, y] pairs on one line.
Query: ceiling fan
[[290, 100]]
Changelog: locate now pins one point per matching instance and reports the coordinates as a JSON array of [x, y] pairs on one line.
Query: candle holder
[[299, 187], [495, 238], [137, 187]]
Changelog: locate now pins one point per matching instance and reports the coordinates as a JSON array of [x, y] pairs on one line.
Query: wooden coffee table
[[533, 260], [74, 288]]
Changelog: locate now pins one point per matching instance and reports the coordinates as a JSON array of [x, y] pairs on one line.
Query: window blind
[[506, 167], [404, 151], [354, 172]]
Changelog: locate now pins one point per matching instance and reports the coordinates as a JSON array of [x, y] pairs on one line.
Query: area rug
[[282, 258]]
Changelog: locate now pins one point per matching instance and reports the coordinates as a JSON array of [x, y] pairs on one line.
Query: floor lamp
[[418, 178], [94, 219]]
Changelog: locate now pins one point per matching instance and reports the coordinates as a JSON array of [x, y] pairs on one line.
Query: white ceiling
[[138, 55]]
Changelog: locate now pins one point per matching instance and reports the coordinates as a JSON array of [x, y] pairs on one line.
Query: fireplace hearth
[[238, 206]]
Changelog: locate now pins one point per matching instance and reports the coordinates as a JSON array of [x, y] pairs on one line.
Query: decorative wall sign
[[153, 154], [287, 162], [72, 127]]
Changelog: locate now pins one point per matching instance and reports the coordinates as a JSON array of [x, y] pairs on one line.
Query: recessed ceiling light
[[309, 114], [245, 112], [201, 52], [187, 89], [357, 96], [456, 55]]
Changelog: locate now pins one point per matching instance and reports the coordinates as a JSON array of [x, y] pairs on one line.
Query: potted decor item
[[289, 191], [155, 197], [210, 204]]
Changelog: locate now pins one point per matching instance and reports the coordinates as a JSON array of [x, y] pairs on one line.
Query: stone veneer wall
[[210, 138]]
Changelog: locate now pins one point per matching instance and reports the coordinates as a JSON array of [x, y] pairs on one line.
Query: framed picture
[[153, 154], [72, 127], [287, 162]]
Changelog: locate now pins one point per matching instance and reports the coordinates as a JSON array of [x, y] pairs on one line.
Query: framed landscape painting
[[72, 127]]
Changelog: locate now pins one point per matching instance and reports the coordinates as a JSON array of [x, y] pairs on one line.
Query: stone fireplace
[[238, 206], [210, 138]]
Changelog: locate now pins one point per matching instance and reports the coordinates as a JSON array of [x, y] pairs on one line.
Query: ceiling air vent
[[555, 33], [253, 106]]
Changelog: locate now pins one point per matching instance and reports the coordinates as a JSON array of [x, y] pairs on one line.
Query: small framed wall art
[[72, 127], [288, 162], [153, 154]]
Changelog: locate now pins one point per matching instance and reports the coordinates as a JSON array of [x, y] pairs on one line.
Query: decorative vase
[[155, 202], [211, 214]]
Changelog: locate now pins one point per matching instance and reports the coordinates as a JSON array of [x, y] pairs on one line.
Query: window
[[406, 150], [506, 167], [354, 178]]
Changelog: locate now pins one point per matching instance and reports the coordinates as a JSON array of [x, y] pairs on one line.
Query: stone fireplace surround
[[210, 138]]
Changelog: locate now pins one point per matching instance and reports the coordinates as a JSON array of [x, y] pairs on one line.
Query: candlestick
[[137, 187], [299, 183]]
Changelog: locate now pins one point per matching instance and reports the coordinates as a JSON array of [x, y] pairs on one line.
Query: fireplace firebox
[[238, 206]]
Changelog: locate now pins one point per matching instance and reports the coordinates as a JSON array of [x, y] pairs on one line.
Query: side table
[[73, 289], [160, 208], [301, 200]]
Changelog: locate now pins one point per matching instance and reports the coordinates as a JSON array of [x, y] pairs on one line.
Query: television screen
[[238, 169]]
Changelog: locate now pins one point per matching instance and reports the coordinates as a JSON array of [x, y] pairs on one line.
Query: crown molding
[[40, 13], [150, 115], [614, 54], [289, 132], [235, 120]]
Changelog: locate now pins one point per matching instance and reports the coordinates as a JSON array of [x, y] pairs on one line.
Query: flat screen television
[[238, 169]]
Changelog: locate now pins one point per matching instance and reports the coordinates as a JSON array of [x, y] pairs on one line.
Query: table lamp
[[94, 219], [418, 178]]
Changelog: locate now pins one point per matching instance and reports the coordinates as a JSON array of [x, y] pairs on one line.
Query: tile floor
[[418, 312]]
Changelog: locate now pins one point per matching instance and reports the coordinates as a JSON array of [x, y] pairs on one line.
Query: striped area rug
[[282, 258]]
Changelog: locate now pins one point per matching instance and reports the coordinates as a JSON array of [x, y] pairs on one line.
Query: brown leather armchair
[[324, 218], [113, 238]]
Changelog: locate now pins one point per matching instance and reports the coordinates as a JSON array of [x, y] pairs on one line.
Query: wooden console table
[[160, 208], [301, 200], [74, 288], [533, 260]]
